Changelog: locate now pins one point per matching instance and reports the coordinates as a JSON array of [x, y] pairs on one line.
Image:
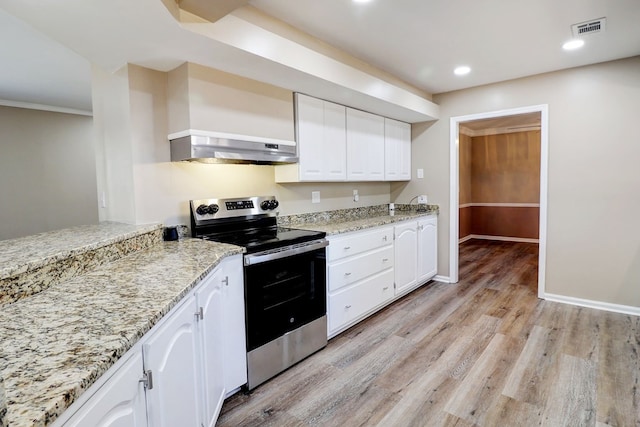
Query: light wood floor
[[483, 352]]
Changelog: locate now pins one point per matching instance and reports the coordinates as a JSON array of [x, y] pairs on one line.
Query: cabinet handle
[[346, 248], [200, 314], [347, 307], [384, 238], [226, 280], [385, 288], [147, 379], [385, 259], [347, 274]]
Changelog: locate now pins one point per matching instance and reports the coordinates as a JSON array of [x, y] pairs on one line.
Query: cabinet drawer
[[356, 268], [347, 305], [344, 246]]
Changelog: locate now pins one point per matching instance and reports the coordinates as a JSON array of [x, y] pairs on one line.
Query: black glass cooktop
[[260, 239]]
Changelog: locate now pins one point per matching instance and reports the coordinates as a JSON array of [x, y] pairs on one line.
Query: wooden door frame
[[454, 133]]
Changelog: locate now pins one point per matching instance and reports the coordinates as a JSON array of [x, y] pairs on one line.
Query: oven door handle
[[287, 251]]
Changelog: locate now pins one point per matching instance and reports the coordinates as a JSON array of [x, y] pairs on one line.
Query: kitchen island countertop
[[58, 342]]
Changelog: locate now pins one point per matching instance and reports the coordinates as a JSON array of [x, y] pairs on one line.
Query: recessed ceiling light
[[361, 1], [462, 70], [573, 44]]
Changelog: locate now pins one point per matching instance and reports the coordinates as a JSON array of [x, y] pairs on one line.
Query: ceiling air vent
[[589, 27]]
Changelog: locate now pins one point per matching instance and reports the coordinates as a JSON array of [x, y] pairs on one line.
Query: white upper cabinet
[[321, 139], [365, 146], [397, 150], [341, 144]]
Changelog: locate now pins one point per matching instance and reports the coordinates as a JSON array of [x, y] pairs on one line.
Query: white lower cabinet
[[369, 269], [405, 245], [427, 248], [234, 334], [171, 354], [181, 371], [349, 304], [359, 276], [118, 403], [415, 247]]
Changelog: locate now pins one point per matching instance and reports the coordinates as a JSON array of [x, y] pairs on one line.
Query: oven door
[[284, 289]]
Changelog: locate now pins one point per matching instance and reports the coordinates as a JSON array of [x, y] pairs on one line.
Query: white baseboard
[[500, 238], [465, 238], [598, 305], [442, 279]]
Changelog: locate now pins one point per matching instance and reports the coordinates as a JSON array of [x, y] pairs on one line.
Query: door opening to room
[[501, 184]]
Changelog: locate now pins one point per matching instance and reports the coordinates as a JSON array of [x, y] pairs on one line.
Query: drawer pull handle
[[347, 307], [346, 248], [385, 259], [384, 238], [385, 288], [347, 274]]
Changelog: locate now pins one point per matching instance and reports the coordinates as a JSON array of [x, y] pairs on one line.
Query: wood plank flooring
[[482, 352]]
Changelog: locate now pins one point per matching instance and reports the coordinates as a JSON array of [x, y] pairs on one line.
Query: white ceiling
[[419, 41], [422, 41]]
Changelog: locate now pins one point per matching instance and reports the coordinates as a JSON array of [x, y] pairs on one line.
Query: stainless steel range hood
[[216, 147]]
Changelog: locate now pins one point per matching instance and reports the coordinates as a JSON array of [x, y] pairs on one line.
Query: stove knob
[[202, 210], [273, 204], [265, 205], [213, 208]]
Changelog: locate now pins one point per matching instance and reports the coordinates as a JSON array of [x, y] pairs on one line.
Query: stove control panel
[[209, 209]]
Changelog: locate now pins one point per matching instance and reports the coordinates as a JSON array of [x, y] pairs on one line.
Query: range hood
[[217, 147]]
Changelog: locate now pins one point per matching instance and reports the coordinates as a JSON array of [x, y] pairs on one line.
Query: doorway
[[507, 116]]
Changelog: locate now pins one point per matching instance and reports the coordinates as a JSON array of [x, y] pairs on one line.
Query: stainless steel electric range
[[284, 279]]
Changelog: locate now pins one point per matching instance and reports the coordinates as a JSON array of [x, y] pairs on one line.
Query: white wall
[[47, 171], [113, 128], [593, 241]]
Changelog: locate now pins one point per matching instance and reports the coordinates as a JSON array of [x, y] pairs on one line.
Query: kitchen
[[572, 203]]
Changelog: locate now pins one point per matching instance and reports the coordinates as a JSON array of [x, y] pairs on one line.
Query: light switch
[[420, 173], [315, 197]]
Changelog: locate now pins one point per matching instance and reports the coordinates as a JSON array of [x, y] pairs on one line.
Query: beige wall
[[593, 243], [163, 188], [47, 171]]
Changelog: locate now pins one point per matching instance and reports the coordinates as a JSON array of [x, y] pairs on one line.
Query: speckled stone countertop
[[348, 220], [56, 343], [30, 264]]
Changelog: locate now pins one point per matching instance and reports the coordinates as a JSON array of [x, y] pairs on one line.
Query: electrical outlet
[[356, 196], [315, 197], [422, 199]]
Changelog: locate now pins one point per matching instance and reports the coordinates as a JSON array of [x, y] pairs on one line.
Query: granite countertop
[[31, 252], [334, 222], [56, 343], [29, 265]]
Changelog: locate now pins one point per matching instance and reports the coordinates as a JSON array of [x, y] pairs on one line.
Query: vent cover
[[589, 27]]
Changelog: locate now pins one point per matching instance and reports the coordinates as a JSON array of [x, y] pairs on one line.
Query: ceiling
[[421, 41]]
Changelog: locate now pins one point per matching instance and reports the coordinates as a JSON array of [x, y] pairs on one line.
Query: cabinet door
[[309, 132], [235, 349], [118, 403], [322, 139], [171, 353], [365, 146], [210, 325], [405, 245], [334, 147], [427, 248], [397, 147]]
